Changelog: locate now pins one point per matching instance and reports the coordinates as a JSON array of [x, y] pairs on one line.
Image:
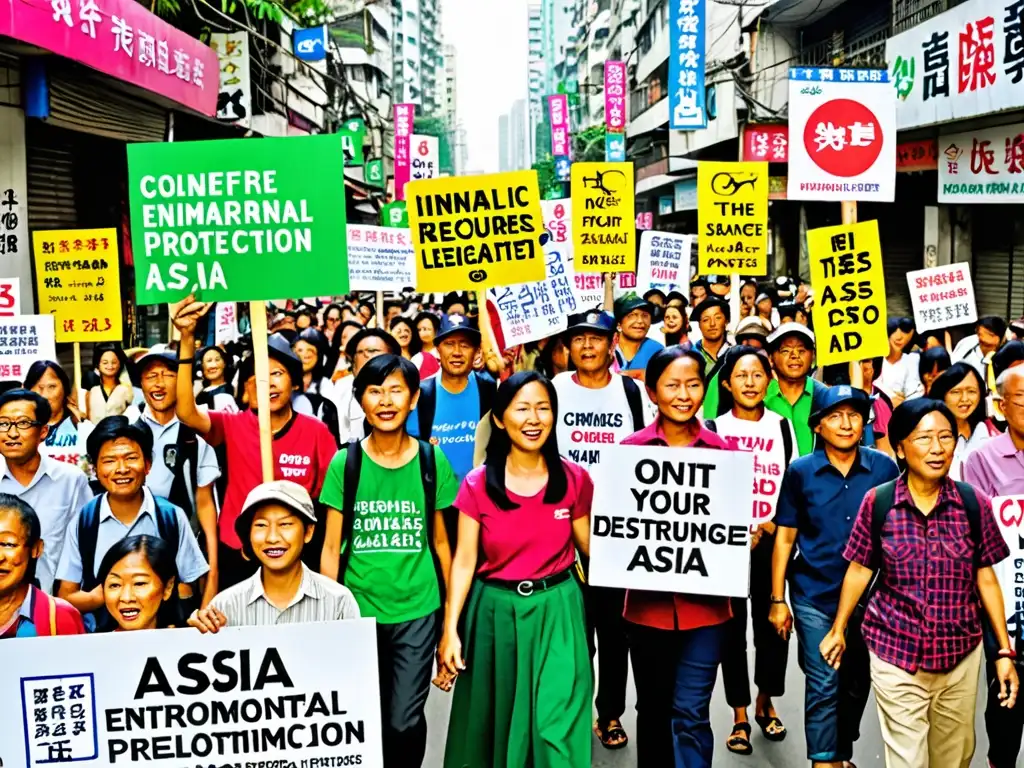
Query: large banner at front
[[238, 220], [672, 520], [173, 698], [842, 126]]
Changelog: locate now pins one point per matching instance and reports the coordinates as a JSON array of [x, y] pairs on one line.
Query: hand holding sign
[[186, 313]]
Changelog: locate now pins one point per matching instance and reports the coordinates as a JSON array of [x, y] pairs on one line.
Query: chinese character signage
[[353, 136], [473, 232], [217, 219], [664, 261], [122, 39], [984, 166], [380, 258], [965, 62], [686, 65], [78, 282], [425, 158], [733, 218], [603, 219], [920, 155], [226, 323], [849, 292], [12, 213], [10, 296], [234, 99], [373, 173], [843, 124], [615, 96], [404, 114], [942, 297], [558, 114], [23, 340], [762, 142], [615, 147], [310, 44]]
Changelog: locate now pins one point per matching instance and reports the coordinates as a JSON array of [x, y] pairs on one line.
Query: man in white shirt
[[900, 378]]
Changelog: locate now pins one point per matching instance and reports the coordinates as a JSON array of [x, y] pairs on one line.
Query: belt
[[529, 586]]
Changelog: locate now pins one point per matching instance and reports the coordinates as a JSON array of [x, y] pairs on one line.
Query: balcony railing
[[646, 96], [865, 51], [910, 13]]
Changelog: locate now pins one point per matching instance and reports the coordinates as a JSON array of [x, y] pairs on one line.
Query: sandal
[[739, 740], [611, 733], [771, 727]]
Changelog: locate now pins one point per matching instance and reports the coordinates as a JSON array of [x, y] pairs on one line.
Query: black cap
[[601, 322], [451, 324], [1007, 356], [626, 304], [838, 395]]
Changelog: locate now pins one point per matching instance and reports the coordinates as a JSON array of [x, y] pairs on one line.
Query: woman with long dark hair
[[139, 575], [964, 392], [524, 696], [408, 339], [67, 424], [427, 326], [217, 370], [114, 394]]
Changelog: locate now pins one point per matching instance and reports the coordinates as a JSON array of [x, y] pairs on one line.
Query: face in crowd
[[748, 292], [965, 397], [387, 405], [21, 432], [402, 331], [456, 354], [366, 350], [712, 324], [673, 320], [332, 319], [635, 325], [928, 450], [842, 427], [109, 365], [281, 387], [988, 341], [307, 353], [679, 391], [1013, 400], [425, 329], [159, 382], [697, 294], [213, 367], [17, 550], [134, 592], [899, 339], [748, 382], [529, 418], [792, 358], [277, 535], [121, 468], [51, 387], [590, 351]]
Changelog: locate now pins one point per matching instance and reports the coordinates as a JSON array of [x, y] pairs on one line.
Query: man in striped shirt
[[276, 521]]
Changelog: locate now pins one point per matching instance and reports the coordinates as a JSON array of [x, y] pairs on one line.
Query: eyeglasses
[[22, 426]]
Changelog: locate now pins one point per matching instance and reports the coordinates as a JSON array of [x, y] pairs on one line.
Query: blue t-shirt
[[455, 420], [648, 348]]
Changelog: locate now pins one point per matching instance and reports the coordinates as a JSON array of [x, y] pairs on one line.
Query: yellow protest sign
[[472, 232], [78, 280], [603, 222], [849, 292], [732, 208]]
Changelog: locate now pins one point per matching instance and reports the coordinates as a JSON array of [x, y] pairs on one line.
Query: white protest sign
[[762, 439], [664, 261], [380, 258], [23, 340], [225, 330], [672, 520], [280, 695], [1009, 514], [424, 158], [10, 296], [942, 296]]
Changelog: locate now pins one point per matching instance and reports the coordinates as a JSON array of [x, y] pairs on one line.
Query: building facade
[[418, 54]]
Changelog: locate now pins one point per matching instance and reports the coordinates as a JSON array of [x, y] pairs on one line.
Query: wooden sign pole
[[78, 370], [488, 344], [258, 320], [380, 310], [849, 211], [609, 292], [856, 374]]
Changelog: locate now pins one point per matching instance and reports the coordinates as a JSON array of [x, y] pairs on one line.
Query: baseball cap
[[456, 324], [626, 304], [752, 327], [790, 329], [283, 492], [833, 397], [602, 322], [158, 352]]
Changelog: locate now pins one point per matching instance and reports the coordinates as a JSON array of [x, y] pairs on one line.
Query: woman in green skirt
[[524, 688]]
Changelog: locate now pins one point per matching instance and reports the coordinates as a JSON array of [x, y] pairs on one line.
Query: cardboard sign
[[664, 261], [173, 697], [395, 214], [849, 291], [942, 296], [238, 220], [672, 520], [10, 296], [1009, 514], [23, 340], [234, 98], [763, 440], [603, 227], [226, 328], [380, 258], [732, 210], [425, 162], [472, 232], [78, 279]]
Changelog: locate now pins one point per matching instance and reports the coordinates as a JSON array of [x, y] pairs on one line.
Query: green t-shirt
[[391, 571], [798, 414]]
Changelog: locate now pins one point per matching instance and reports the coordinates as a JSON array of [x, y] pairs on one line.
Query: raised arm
[[185, 314]]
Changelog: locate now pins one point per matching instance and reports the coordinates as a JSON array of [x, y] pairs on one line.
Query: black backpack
[[186, 452], [635, 401], [427, 406]]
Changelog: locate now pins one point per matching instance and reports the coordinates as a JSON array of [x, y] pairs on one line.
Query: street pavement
[[790, 753]]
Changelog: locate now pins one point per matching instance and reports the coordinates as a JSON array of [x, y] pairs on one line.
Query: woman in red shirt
[[525, 697], [675, 641]]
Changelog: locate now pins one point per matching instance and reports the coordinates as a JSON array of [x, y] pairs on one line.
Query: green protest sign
[[373, 172], [353, 134], [395, 215], [238, 220]]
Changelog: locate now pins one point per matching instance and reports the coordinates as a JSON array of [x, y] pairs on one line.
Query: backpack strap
[[710, 426], [486, 388], [635, 401], [973, 509], [353, 463], [88, 532], [426, 407], [787, 440], [183, 489], [884, 496], [167, 523], [428, 468]]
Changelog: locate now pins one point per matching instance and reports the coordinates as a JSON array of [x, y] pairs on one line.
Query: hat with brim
[[654, 292], [751, 328], [626, 304], [599, 322], [787, 330], [283, 492], [834, 397], [452, 324], [168, 358], [278, 348]]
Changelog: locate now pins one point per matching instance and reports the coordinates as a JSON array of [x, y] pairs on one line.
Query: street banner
[[942, 297], [426, 158], [10, 296], [664, 261], [843, 124], [603, 226], [353, 135], [373, 173], [174, 697], [404, 115], [1009, 514], [533, 311], [615, 97], [562, 165], [380, 258], [473, 232], [78, 281], [238, 220], [982, 166], [687, 23], [921, 155], [763, 440], [672, 520], [732, 210], [558, 115], [849, 292], [226, 328], [615, 147], [234, 99], [764, 142], [26, 338]]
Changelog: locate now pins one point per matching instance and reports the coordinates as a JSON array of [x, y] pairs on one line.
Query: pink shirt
[[533, 541]]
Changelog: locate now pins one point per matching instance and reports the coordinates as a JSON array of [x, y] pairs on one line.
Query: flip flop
[[739, 740], [778, 730], [611, 733]]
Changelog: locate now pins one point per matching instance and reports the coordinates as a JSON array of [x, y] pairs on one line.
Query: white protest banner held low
[[268, 696], [380, 258], [664, 261], [1009, 514], [25, 339], [672, 520], [942, 296]]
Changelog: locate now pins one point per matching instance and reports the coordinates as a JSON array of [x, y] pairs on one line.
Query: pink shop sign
[[122, 39]]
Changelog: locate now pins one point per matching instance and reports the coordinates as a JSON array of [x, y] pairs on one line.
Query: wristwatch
[[777, 600]]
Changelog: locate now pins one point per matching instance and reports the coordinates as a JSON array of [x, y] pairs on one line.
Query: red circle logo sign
[[843, 137]]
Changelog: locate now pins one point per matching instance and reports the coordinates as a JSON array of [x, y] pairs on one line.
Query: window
[[356, 74]]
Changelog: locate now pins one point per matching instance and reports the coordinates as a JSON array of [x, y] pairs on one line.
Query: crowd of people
[[442, 484]]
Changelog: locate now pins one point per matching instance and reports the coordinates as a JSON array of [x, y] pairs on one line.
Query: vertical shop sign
[[686, 65], [373, 172], [424, 159], [558, 115], [615, 147], [234, 97], [615, 96], [766, 143], [10, 215], [403, 146]]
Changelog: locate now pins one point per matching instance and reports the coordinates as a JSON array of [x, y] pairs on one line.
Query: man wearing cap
[[820, 497], [752, 332], [276, 522], [712, 316], [184, 465], [363, 346], [793, 394], [597, 408], [302, 446], [633, 351]]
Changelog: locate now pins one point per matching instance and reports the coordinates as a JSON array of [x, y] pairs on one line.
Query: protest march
[[688, 431]]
